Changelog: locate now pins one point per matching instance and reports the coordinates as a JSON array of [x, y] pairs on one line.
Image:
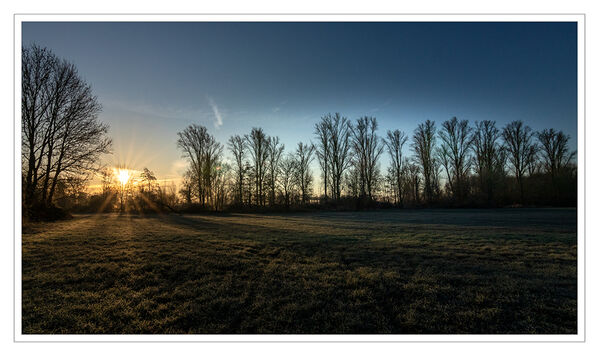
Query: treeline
[[456, 164], [453, 164]]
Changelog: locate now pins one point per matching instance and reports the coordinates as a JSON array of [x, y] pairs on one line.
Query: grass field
[[396, 271]]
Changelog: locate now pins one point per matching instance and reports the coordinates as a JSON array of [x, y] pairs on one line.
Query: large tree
[[488, 158], [339, 149], [454, 154], [303, 158], [556, 158], [258, 144], [204, 154], [288, 175], [323, 149], [423, 145], [519, 145], [238, 147], [395, 141], [275, 150], [367, 149], [61, 133], [554, 151]]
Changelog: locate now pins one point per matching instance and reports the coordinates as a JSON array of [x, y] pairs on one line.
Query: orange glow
[[123, 175]]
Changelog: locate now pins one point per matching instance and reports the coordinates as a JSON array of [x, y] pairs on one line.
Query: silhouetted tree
[[454, 153], [258, 143], [61, 134], [395, 141], [303, 158], [489, 158], [424, 147], [288, 174], [556, 157], [275, 150], [204, 154], [323, 149], [237, 145], [339, 148], [367, 149], [518, 141], [554, 151]]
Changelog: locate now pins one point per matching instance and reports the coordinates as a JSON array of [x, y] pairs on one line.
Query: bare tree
[[323, 149], [237, 145], [554, 151], [275, 150], [395, 141], [518, 140], [556, 157], [204, 154], [258, 143], [340, 149], [424, 146], [489, 158], [37, 66], [367, 150], [454, 151], [288, 169], [60, 127], [303, 158]]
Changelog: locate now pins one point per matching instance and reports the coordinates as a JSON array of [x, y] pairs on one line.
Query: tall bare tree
[[258, 143], [323, 149], [518, 140], [395, 141], [204, 154], [288, 181], [340, 149], [367, 149], [303, 158], [423, 145], [488, 159], [554, 151], [454, 154], [275, 150], [60, 128], [238, 147], [556, 156]]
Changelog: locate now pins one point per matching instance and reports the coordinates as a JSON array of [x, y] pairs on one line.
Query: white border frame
[[581, 211]]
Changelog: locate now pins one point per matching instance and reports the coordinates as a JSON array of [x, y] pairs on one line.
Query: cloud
[[217, 115], [187, 114]]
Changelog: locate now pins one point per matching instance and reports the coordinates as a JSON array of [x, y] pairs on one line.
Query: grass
[[420, 271]]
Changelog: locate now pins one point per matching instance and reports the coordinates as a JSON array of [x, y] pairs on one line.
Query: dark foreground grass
[[451, 271]]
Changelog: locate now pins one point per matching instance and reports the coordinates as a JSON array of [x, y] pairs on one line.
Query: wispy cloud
[[188, 114], [217, 115], [279, 107]]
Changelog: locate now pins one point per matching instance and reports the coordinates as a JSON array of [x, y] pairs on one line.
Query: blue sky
[[154, 79]]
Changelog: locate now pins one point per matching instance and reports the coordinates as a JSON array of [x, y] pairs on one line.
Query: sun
[[123, 175]]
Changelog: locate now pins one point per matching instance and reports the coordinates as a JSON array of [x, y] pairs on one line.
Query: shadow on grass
[[353, 273]]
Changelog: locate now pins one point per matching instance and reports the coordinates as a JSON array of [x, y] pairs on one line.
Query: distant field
[[396, 271]]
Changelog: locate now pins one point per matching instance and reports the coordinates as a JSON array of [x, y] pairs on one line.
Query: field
[[396, 271]]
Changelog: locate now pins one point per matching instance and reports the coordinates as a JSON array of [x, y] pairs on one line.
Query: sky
[[155, 79]]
